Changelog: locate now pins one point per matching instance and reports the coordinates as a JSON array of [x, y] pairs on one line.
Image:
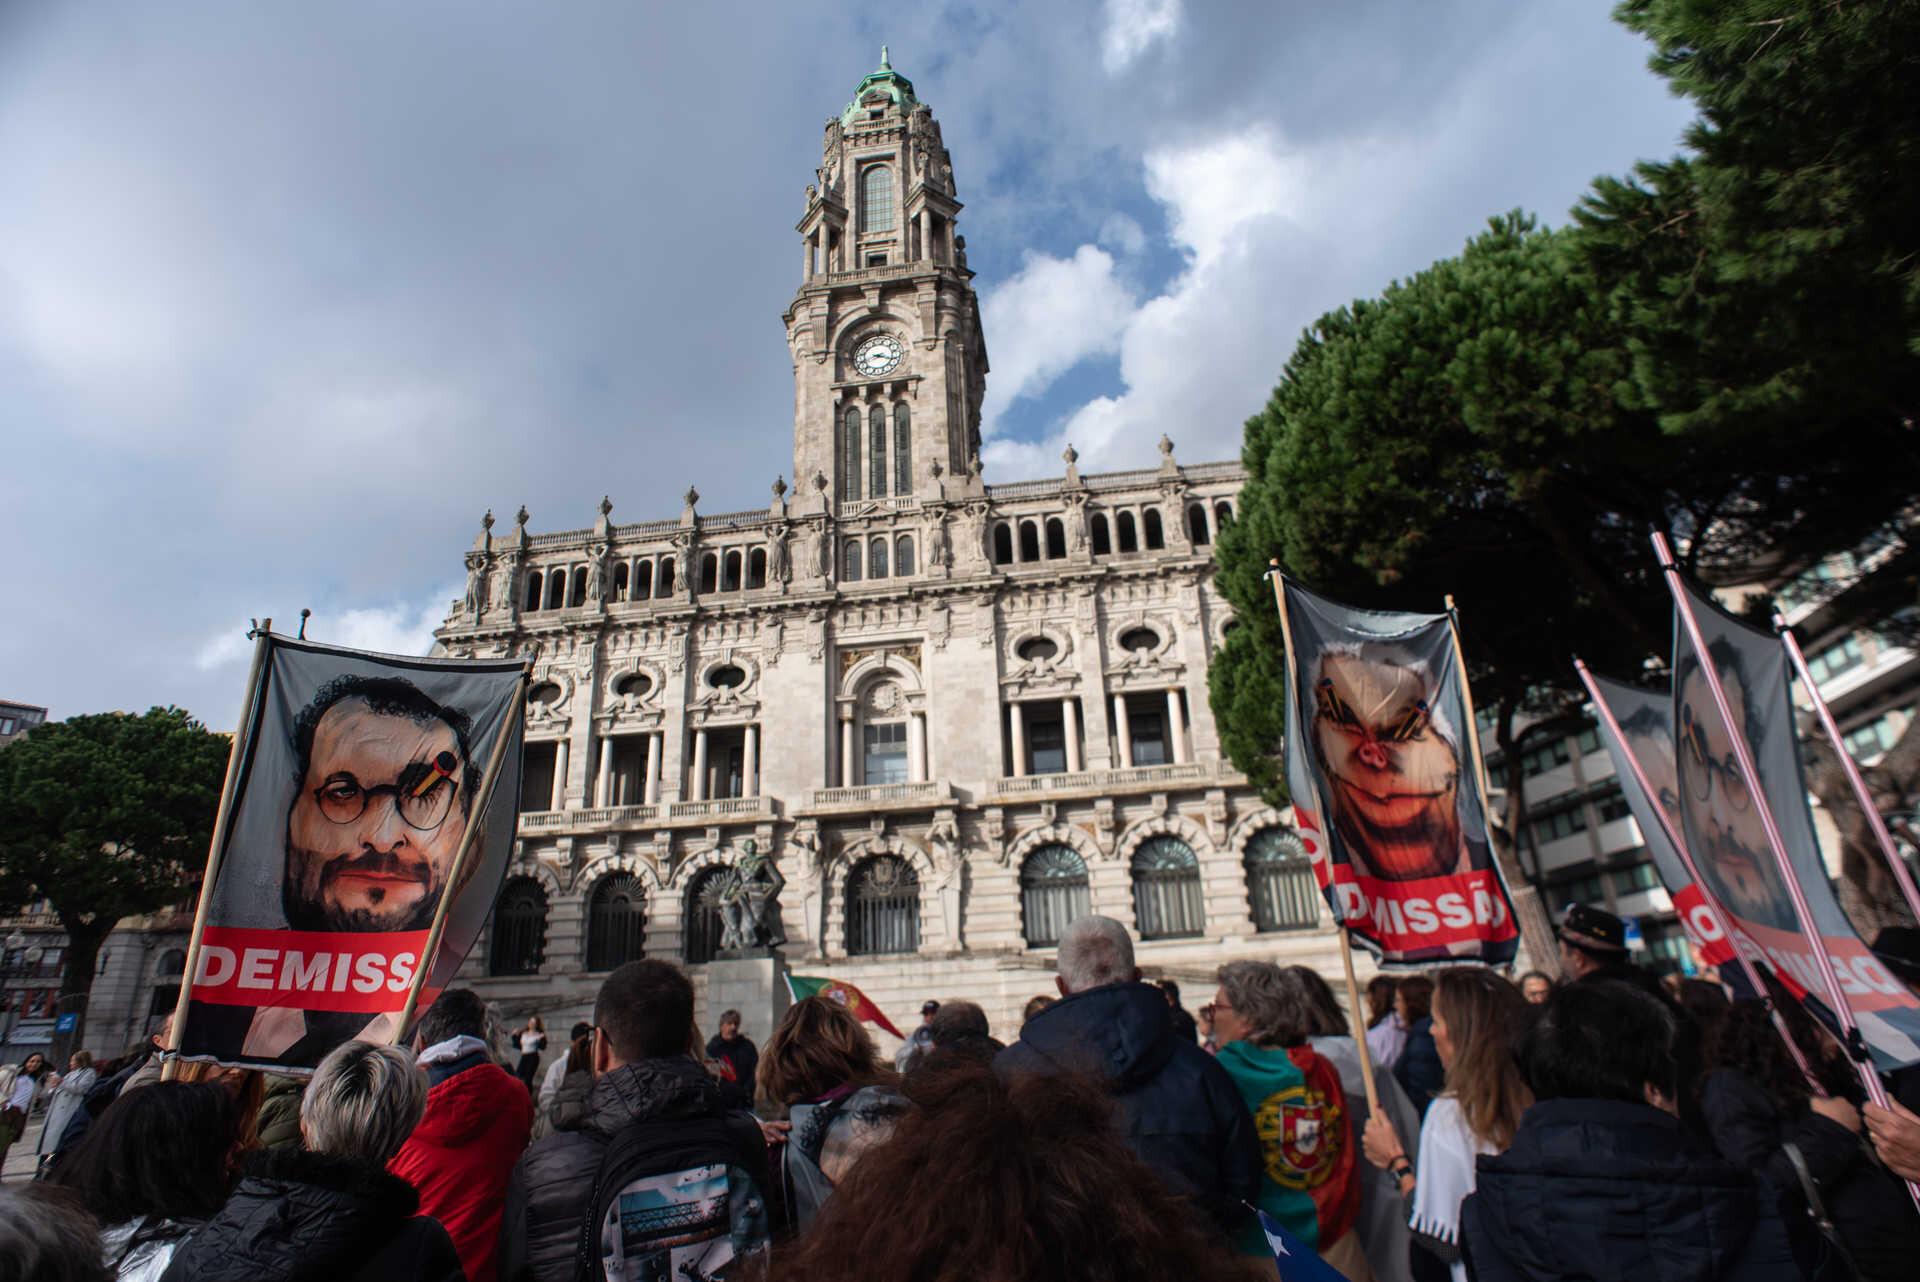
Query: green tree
[[107, 816]]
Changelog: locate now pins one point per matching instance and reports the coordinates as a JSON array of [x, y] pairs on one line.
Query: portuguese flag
[[847, 995]]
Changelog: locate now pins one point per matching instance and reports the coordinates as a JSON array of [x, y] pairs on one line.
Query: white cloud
[[1051, 316], [401, 627], [1133, 26], [1122, 233]]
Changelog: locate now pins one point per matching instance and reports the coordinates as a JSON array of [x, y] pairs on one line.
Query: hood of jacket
[[652, 1090], [462, 1108], [1588, 1180], [297, 1214], [1122, 1031]]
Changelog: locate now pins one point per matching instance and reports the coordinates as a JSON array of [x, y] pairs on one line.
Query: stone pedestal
[[754, 986]]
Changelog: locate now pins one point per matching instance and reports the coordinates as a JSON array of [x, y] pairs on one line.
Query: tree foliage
[[107, 816]]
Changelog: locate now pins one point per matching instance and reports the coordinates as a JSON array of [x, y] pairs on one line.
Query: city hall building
[[959, 714]]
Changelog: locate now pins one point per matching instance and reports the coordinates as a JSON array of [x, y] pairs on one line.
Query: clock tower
[[888, 358]]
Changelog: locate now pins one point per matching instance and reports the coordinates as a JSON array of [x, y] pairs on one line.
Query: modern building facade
[[959, 714], [18, 718]]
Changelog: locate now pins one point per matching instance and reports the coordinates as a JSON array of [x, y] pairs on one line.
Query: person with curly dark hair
[[1035, 1159], [1762, 1116]]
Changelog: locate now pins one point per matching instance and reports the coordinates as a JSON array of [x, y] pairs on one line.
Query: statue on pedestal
[[747, 900]]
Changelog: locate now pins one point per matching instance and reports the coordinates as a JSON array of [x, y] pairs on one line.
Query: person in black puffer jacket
[[332, 1214], [1183, 1115], [1603, 1180], [643, 1033]]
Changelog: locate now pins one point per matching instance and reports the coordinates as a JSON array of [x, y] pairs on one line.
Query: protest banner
[[1386, 793], [1744, 816], [360, 833]]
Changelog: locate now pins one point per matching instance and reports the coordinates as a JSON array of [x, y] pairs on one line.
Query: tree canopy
[[107, 816]]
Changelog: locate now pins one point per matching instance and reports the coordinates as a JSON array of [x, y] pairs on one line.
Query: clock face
[[879, 355]]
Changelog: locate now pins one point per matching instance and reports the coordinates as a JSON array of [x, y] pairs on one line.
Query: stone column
[[560, 774], [750, 764], [698, 784], [652, 784], [846, 752], [1019, 737], [1176, 727], [917, 747], [1070, 724], [603, 790], [1123, 732]]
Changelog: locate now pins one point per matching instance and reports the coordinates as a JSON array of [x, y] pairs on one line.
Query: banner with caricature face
[[360, 776], [1720, 820], [1384, 789]]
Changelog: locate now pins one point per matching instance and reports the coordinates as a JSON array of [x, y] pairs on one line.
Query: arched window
[[663, 579], [1222, 514], [1002, 544], [579, 594], [533, 590], [622, 574], [1280, 885], [1155, 540], [850, 572], [1166, 890], [1053, 892], [616, 921], [1197, 524], [730, 572], [902, 451], [1129, 542], [876, 199], [883, 907], [877, 559], [757, 568], [557, 588], [709, 573], [1102, 542], [519, 929], [903, 554], [1056, 539], [704, 927], [877, 449], [849, 487], [166, 991], [642, 581], [1029, 541]]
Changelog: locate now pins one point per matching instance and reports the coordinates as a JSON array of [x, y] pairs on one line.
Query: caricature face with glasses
[[1728, 838]]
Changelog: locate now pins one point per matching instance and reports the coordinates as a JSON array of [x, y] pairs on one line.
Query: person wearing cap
[[921, 1040], [1593, 947]]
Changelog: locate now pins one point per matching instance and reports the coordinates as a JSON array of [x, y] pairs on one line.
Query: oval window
[[1140, 639], [726, 677], [1036, 648], [545, 692], [636, 684]]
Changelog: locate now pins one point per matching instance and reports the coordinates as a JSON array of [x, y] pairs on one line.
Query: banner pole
[[1466, 697], [1292, 689], [1750, 775], [1679, 845], [430, 953], [242, 735], [1359, 1022], [1854, 777]]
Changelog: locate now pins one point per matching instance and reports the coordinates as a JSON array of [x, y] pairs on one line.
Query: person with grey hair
[[47, 1236], [1182, 1113], [331, 1212], [1264, 1016]]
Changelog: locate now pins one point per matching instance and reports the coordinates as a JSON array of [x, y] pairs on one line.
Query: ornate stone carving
[[596, 572], [476, 600], [746, 899], [778, 568]]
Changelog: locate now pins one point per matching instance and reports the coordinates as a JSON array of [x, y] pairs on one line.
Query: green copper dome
[[895, 85]]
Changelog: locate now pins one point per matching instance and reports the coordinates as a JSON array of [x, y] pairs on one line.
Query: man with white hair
[[1183, 1116]]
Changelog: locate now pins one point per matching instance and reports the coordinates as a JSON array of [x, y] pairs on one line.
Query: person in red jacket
[[478, 1120]]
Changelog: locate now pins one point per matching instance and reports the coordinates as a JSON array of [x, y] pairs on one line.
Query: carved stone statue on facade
[[949, 867], [476, 583], [779, 569], [939, 547], [747, 901], [503, 584], [596, 572]]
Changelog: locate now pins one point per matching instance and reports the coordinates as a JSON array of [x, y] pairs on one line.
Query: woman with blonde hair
[[1478, 1018], [842, 1099]]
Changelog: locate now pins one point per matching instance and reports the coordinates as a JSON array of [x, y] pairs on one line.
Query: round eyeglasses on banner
[[1704, 767], [422, 795]]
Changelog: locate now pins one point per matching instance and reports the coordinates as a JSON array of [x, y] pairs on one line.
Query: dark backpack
[[672, 1203]]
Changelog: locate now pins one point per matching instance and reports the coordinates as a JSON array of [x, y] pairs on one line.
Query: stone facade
[[957, 712]]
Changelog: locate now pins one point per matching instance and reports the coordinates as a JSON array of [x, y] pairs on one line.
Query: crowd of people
[[1599, 1125]]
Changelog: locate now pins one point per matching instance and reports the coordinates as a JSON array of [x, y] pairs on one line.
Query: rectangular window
[[1589, 740], [537, 762], [1836, 659], [1148, 724], [6, 725], [886, 753], [1563, 823], [1047, 744], [876, 260], [1546, 757], [1612, 805], [1639, 877]]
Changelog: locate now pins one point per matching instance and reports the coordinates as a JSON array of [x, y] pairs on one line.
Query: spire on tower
[[884, 64]]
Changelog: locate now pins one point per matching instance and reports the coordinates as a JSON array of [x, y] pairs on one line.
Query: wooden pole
[[1854, 777], [1473, 722], [242, 736], [1359, 1024], [477, 821]]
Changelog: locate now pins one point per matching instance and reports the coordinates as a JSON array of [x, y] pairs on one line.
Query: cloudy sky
[[290, 293]]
